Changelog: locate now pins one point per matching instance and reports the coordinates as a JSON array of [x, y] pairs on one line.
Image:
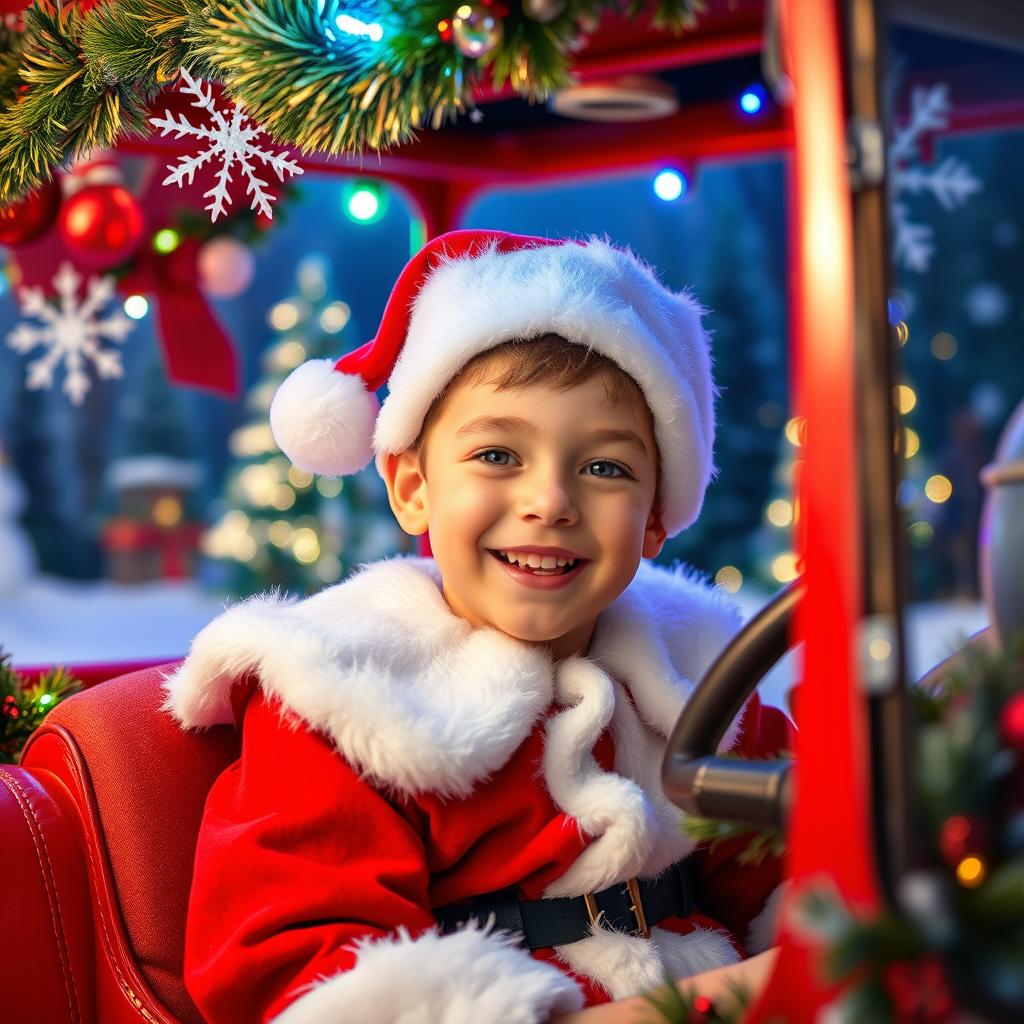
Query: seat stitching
[[108, 945], [52, 896]]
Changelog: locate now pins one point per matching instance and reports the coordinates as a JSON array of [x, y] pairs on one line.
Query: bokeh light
[[136, 306], [729, 578], [670, 185], [938, 488]]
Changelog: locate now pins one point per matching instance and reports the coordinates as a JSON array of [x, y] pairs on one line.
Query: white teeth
[[542, 563]]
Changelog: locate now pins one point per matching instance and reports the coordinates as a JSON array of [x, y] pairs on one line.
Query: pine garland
[[10, 61], [335, 93], [24, 706], [71, 82], [675, 1003], [959, 927], [63, 106], [762, 841]]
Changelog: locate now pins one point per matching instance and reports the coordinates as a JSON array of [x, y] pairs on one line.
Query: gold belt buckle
[[636, 906]]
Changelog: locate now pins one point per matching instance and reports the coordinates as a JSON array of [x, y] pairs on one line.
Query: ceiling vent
[[628, 98]]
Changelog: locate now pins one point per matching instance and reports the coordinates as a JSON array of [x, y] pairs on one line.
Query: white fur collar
[[445, 707]]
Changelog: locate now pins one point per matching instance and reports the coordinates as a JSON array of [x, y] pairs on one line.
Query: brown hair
[[550, 360]]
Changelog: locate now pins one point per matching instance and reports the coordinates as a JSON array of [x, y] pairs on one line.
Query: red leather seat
[[98, 829]]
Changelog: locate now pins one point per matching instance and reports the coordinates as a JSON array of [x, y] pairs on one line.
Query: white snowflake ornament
[[230, 139], [70, 333], [950, 184]]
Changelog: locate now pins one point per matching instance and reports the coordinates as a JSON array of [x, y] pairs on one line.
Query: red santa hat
[[469, 291]]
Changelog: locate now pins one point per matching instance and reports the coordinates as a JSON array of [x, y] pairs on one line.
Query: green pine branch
[[960, 767], [69, 107], [763, 841], [974, 933], [144, 42], [23, 707], [322, 90], [676, 17], [88, 78], [675, 1003], [10, 64]]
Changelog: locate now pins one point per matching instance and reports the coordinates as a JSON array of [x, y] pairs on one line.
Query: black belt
[[633, 907]]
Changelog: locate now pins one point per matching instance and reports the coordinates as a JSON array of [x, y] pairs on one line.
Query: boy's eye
[[606, 469], [494, 457]]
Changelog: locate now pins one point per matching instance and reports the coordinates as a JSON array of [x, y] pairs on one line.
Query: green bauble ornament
[[476, 30]]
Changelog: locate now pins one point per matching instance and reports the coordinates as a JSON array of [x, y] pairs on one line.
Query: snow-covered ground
[[55, 621], [51, 621]]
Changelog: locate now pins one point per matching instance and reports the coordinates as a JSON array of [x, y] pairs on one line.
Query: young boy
[[448, 799]]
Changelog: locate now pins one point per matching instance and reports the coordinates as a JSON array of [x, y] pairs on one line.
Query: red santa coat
[[394, 759]]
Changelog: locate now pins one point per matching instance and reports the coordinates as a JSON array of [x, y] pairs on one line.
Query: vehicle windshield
[[956, 114]]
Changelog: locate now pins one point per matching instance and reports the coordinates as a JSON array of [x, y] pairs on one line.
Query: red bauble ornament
[[963, 836], [919, 991], [101, 225], [1011, 723], [26, 219]]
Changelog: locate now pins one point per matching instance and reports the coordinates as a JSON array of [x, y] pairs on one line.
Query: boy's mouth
[[538, 565]]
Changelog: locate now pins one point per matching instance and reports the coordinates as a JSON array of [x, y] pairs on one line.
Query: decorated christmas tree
[[277, 526]]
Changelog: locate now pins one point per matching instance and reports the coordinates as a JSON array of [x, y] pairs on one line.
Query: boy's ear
[[654, 536], [406, 486]]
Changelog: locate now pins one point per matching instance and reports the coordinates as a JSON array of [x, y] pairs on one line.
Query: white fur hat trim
[[592, 294]]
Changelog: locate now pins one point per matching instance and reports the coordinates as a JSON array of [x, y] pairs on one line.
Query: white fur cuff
[[473, 976], [762, 932]]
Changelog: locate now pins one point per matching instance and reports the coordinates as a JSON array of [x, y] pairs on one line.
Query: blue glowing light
[[752, 100], [670, 185]]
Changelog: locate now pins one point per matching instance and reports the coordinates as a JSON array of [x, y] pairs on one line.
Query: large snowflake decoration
[[951, 183], [70, 333], [230, 138]]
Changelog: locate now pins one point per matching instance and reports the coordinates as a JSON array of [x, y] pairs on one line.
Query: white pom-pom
[[323, 420]]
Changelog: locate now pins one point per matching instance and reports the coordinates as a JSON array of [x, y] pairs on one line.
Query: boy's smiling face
[[526, 470]]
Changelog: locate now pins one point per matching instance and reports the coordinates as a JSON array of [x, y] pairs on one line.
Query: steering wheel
[[693, 776]]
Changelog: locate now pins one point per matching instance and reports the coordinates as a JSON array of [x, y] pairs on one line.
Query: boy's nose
[[547, 500]]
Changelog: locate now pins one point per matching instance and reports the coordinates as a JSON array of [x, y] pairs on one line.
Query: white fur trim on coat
[[607, 805], [592, 294], [628, 966], [469, 977], [412, 695]]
